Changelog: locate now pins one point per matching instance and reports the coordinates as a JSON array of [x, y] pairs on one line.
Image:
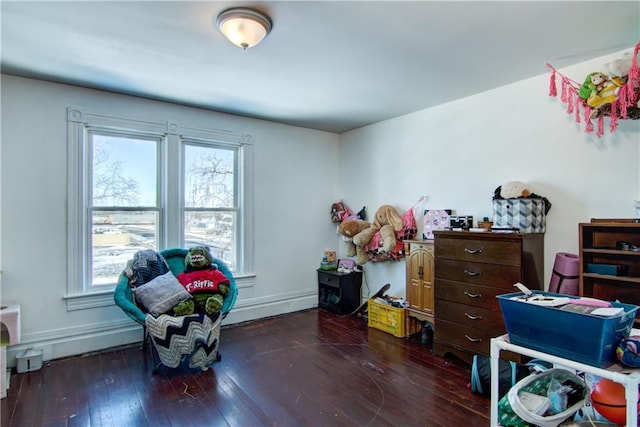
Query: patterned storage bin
[[526, 214]]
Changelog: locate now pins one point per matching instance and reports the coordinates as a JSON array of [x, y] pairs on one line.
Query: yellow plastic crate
[[393, 320]]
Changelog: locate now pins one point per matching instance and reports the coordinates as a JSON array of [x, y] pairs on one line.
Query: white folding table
[[629, 380]]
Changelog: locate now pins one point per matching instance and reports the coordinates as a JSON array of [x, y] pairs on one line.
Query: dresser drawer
[[475, 340], [479, 250], [502, 276], [470, 316], [413, 246], [466, 293]]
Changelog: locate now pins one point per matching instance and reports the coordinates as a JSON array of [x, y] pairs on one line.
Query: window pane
[[124, 171], [209, 177], [213, 229], [116, 236]]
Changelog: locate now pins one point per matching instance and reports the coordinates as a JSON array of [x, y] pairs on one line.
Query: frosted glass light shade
[[244, 27]]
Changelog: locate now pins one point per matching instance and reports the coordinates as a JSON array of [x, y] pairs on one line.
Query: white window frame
[[80, 294]]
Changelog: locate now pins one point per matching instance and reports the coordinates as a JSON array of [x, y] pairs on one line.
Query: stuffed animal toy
[[184, 308], [387, 222], [620, 67], [204, 281], [517, 189], [605, 95], [349, 229], [593, 84], [390, 222], [514, 189], [598, 89]]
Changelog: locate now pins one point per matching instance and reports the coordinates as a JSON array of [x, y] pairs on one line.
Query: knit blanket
[[194, 337]]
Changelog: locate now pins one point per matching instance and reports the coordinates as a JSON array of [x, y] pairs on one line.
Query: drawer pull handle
[[472, 295], [472, 339], [472, 317], [471, 273], [473, 251]]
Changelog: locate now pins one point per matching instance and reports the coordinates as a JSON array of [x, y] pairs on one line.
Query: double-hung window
[[137, 185]]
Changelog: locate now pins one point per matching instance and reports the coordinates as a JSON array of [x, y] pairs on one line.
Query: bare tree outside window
[[210, 200], [110, 186], [124, 211], [210, 179]]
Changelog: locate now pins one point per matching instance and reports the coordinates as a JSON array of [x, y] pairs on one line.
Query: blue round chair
[[175, 258]]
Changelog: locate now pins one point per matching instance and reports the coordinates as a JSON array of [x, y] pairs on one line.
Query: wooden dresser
[[471, 269]]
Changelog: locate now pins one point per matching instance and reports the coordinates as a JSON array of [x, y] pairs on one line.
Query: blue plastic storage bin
[[580, 337]]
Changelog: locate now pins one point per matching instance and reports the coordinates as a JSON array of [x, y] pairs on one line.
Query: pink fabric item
[[553, 91], [589, 127], [564, 277], [600, 126]]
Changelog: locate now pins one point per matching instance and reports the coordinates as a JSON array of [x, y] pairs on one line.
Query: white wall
[[458, 153], [295, 182]]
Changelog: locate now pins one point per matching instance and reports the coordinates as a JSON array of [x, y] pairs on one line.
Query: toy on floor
[[608, 398]]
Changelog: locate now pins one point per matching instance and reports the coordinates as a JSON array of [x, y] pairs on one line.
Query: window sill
[[89, 300], [246, 280]]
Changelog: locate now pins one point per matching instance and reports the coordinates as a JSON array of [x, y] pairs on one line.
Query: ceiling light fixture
[[244, 27]]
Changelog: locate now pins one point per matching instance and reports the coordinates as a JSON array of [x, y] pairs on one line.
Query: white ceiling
[[332, 66]]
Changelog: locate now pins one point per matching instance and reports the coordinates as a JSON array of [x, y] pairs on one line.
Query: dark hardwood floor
[[310, 368]]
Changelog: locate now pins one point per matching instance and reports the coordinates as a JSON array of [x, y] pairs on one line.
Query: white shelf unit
[[628, 380]]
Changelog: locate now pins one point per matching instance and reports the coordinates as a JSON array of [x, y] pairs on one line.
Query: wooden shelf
[[598, 245], [613, 278], [615, 252]]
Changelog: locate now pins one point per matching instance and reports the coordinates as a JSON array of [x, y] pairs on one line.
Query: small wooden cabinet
[[420, 279], [339, 292], [614, 242], [471, 269]]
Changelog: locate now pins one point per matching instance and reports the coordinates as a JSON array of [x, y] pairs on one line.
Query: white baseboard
[[67, 342]]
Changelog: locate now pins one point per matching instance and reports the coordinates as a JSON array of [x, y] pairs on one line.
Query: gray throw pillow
[[161, 294]]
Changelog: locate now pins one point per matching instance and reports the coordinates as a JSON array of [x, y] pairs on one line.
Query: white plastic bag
[[540, 379]]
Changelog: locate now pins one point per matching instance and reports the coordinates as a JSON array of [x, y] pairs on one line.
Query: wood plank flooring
[[310, 368]]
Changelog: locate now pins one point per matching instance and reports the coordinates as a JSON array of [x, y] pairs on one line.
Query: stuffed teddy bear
[[204, 281], [387, 222], [349, 229]]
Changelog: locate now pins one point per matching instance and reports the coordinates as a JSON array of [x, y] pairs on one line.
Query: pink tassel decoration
[[628, 97], [587, 114], [589, 127], [623, 100], [553, 91], [600, 126], [563, 94], [613, 121], [613, 125], [634, 73], [570, 102]]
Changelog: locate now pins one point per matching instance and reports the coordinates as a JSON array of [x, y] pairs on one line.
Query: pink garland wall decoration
[[625, 106]]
